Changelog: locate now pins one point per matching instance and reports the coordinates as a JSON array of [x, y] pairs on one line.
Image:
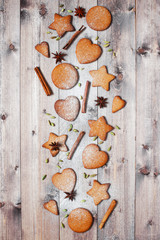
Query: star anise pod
[[59, 56], [80, 12], [70, 195], [55, 146], [101, 101]]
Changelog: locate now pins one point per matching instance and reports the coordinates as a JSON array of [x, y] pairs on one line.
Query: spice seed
[[62, 225], [48, 114], [100, 142], [81, 97], [66, 216], [53, 117], [61, 5], [49, 122], [48, 32], [44, 177], [64, 210], [75, 130], [67, 153], [94, 139], [83, 200], [110, 50], [53, 37], [109, 149], [112, 133], [60, 160], [117, 127], [58, 38], [58, 166], [47, 160], [97, 38], [93, 175], [70, 11], [76, 67], [79, 84]]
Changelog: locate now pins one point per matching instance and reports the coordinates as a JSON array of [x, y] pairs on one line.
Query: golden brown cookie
[[51, 206], [43, 48], [80, 220], [98, 18], [93, 158], [56, 143], [64, 76], [65, 181], [87, 52], [99, 128], [101, 78], [62, 24], [99, 192], [67, 109], [118, 104]]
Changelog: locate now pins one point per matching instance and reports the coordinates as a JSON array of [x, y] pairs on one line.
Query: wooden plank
[[37, 223], [120, 170], [147, 117], [10, 212], [81, 123]]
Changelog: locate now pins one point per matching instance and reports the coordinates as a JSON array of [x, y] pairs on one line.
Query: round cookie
[[98, 18], [64, 76], [80, 220]]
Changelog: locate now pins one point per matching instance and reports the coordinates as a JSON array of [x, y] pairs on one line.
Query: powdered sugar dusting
[[64, 76], [80, 220], [93, 158], [65, 181], [98, 18], [68, 109]]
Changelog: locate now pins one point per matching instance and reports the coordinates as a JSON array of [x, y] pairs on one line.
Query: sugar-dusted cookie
[[64, 76], [101, 78], [62, 24], [99, 192], [43, 48], [65, 181], [118, 104], [51, 206], [80, 220], [93, 158], [87, 52], [67, 109], [56, 143], [98, 18], [99, 128]]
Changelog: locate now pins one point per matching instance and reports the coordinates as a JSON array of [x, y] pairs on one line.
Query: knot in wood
[[3, 117], [144, 171], [120, 77], [11, 47], [2, 204], [43, 10]]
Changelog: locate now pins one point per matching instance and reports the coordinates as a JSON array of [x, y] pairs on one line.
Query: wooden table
[[135, 38]]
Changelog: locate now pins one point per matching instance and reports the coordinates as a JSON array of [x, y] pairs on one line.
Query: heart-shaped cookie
[[65, 181], [43, 48], [67, 109], [93, 158], [87, 52], [51, 206], [118, 104]]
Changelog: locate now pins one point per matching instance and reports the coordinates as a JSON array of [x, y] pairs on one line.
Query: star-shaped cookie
[[101, 78], [99, 128], [99, 192], [62, 24], [56, 143]]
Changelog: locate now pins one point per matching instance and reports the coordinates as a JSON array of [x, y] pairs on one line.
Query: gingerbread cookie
[[98, 18], [64, 76], [67, 109], [101, 78], [87, 52], [99, 192], [43, 48], [93, 158], [62, 24], [56, 143], [65, 181], [51, 206], [118, 104], [80, 220], [99, 128]]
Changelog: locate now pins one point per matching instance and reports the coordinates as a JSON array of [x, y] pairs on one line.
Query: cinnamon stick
[[85, 97], [108, 213], [75, 35], [75, 145], [43, 81]]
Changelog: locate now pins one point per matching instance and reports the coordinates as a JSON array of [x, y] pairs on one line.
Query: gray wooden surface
[[134, 36]]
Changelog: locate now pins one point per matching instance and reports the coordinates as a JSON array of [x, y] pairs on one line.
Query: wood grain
[[147, 118], [10, 211], [120, 170], [37, 223]]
